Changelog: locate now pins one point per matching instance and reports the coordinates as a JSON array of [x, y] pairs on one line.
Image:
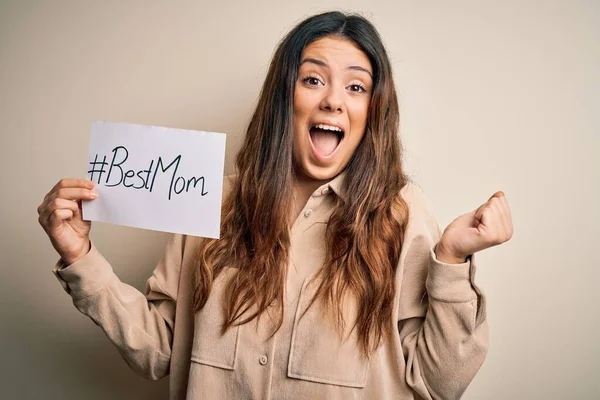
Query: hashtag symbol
[[95, 169]]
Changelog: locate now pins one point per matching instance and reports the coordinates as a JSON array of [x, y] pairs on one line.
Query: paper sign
[[156, 178]]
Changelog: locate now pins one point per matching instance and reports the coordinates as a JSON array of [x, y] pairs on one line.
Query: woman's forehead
[[337, 52]]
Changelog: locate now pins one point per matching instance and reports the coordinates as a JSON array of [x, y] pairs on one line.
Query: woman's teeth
[[328, 127]]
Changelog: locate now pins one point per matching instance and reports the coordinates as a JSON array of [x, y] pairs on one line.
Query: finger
[[74, 194], [499, 204], [57, 204], [479, 212], [498, 221], [507, 218], [499, 194], [58, 216], [504, 215], [506, 207], [71, 183], [495, 197], [78, 213], [501, 226], [74, 183]]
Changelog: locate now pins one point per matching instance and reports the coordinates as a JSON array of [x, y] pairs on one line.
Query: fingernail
[[93, 193]]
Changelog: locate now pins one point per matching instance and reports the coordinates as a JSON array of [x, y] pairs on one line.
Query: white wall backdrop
[[496, 95]]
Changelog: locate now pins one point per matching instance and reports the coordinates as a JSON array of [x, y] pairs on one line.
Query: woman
[[331, 279]]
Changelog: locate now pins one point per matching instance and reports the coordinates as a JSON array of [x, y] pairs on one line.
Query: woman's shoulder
[[414, 195], [421, 215]]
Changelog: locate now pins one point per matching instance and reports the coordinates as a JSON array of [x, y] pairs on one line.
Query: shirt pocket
[[211, 346], [318, 353]]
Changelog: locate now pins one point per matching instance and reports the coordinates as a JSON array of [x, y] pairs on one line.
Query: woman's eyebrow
[[359, 68], [324, 64]]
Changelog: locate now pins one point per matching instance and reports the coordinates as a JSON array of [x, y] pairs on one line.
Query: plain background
[[494, 96]]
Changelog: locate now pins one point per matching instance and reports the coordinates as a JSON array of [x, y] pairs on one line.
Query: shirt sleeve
[[139, 324], [442, 319]]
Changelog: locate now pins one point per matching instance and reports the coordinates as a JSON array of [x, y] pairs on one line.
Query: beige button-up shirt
[[440, 332]]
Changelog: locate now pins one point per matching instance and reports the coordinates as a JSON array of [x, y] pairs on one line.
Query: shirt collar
[[338, 185]]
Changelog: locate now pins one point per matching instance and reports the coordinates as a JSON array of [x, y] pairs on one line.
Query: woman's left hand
[[487, 226]]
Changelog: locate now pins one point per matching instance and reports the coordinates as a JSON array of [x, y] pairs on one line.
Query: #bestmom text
[[114, 174]]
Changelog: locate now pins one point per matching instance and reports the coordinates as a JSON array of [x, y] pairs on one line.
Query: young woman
[[331, 279]]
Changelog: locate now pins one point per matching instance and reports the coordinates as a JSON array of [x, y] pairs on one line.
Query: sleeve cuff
[[86, 276], [450, 282]]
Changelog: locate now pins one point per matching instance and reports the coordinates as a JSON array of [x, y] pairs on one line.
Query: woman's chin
[[318, 173]]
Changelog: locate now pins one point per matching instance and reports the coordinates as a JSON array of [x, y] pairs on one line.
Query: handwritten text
[[115, 174]]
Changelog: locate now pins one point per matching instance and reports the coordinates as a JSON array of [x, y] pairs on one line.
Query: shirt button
[[325, 191], [263, 360], [307, 213]]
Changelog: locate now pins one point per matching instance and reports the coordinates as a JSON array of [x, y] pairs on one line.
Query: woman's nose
[[333, 100]]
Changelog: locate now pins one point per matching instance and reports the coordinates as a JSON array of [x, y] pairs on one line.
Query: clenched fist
[[487, 226]]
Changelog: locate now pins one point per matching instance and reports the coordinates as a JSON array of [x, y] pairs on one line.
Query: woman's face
[[331, 104]]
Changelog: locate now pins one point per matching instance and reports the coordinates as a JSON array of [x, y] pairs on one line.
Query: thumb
[[78, 213], [479, 212], [498, 194]]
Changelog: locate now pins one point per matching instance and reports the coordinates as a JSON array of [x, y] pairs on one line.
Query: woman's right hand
[[61, 217]]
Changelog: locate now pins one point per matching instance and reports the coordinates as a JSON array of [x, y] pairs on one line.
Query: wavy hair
[[366, 229]]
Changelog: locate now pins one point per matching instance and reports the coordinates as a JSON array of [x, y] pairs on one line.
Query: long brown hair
[[365, 231]]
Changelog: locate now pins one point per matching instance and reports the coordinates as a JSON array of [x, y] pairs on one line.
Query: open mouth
[[326, 138]]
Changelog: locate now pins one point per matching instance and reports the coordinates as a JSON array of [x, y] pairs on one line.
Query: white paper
[[156, 178]]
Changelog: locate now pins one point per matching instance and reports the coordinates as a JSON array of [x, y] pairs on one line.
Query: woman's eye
[[358, 88], [311, 80]]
